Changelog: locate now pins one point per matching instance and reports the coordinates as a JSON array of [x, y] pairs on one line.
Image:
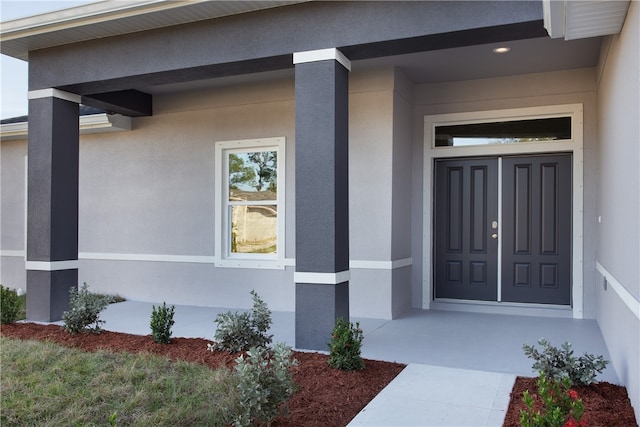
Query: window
[[250, 210], [503, 132]]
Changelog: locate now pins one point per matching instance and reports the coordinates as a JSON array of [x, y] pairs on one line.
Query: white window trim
[[573, 145], [222, 258]]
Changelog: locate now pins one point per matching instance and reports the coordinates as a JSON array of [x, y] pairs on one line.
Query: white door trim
[[573, 145], [499, 231]]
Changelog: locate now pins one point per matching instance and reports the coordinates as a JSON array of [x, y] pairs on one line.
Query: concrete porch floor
[[461, 366]]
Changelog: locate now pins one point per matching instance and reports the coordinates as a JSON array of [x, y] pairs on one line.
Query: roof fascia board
[[84, 15], [115, 17], [554, 12]]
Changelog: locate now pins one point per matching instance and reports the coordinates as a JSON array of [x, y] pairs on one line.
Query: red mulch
[[605, 404], [325, 396]]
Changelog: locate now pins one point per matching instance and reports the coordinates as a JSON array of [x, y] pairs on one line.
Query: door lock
[[494, 225]]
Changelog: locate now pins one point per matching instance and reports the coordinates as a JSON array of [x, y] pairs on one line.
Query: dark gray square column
[[322, 195], [52, 203]]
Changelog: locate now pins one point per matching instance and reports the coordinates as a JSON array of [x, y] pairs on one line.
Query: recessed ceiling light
[[501, 50]]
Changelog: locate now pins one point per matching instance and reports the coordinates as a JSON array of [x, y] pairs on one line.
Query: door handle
[[494, 236]]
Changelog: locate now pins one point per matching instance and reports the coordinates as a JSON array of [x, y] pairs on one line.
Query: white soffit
[[94, 123], [579, 19], [115, 17]]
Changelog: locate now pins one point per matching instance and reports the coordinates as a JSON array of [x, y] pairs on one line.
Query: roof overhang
[[94, 123], [113, 17], [578, 19]]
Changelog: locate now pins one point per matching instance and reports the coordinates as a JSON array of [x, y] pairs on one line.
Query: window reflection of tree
[[253, 226]]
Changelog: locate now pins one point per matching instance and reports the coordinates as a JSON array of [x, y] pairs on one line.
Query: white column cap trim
[[322, 278], [322, 55], [52, 265], [55, 93]]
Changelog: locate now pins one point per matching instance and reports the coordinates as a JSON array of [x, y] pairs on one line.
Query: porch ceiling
[[528, 56]]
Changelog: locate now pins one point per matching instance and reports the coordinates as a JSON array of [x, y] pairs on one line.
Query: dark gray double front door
[[522, 255]]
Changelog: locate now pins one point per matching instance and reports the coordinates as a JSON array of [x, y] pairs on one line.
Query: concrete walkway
[[460, 366]]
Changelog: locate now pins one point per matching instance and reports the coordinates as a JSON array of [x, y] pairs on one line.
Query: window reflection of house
[[254, 228]]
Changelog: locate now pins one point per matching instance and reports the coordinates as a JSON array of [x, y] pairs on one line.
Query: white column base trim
[[626, 297], [322, 278], [54, 93], [322, 55], [52, 265]]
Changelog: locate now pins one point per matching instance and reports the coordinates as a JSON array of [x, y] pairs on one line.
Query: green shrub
[[115, 298], [161, 323], [345, 346], [265, 383], [561, 405], [241, 331], [85, 310], [9, 305], [558, 363]]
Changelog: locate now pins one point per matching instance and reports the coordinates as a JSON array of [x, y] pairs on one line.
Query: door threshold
[[511, 308]]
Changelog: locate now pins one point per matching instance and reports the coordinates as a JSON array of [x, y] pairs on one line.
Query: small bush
[[265, 383], [85, 310], [9, 305], [556, 364], [241, 331], [561, 405], [161, 323], [115, 298], [345, 346]]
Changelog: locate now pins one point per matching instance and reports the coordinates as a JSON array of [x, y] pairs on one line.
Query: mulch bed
[[605, 404], [325, 396]]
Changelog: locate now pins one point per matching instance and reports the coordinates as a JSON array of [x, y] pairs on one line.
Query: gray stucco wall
[[12, 213], [12, 178], [151, 183], [266, 39], [156, 183], [156, 198], [531, 90], [618, 250], [380, 193], [147, 213]]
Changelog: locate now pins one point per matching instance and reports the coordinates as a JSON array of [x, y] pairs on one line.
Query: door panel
[[536, 227], [465, 252]]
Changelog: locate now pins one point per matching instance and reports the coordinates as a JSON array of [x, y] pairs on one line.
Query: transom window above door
[[503, 132]]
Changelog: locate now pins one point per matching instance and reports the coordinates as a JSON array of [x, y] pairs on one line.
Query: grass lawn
[[46, 384]]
